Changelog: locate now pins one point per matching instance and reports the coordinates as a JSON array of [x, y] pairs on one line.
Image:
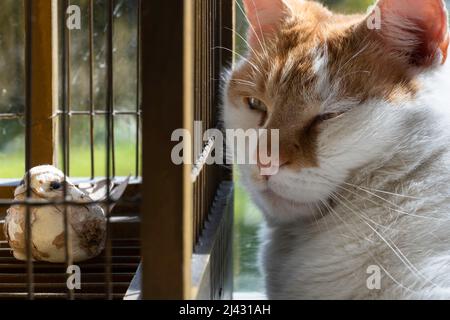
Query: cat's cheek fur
[[355, 140]]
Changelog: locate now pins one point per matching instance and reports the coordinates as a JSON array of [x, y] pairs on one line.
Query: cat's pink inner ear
[[264, 17], [417, 27]]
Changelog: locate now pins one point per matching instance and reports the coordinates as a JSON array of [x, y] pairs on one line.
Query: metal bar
[[108, 118], [68, 79], [64, 135], [28, 139], [138, 88], [91, 86], [111, 79], [41, 203], [97, 113], [11, 116]]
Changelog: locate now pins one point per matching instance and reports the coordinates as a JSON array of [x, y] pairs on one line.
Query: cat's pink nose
[[271, 167]]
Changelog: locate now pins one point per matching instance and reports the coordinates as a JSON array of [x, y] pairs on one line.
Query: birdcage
[[170, 234]]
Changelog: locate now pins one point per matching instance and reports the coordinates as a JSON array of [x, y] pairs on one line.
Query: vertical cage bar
[[109, 144], [65, 39], [68, 89], [227, 13], [111, 79], [91, 87], [28, 139], [197, 79], [138, 88]]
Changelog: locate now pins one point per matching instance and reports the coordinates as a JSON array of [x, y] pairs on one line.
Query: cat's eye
[[255, 104]]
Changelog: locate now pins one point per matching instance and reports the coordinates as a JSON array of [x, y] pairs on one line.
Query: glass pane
[[11, 57], [80, 60], [100, 146], [125, 135], [12, 82], [246, 243], [12, 148], [80, 151], [100, 47], [125, 145], [125, 55]]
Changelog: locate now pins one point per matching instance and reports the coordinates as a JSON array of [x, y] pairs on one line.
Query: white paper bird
[[86, 223]]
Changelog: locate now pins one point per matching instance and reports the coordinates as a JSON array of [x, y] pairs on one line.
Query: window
[[12, 90]]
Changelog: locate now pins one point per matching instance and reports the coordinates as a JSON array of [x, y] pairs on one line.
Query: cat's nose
[[272, 166]]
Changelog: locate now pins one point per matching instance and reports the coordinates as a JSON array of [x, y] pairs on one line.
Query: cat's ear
[[415, 29], [264, 16]]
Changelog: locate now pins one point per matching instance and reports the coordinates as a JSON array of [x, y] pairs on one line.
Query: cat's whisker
[[335, 197], [385, 192], [260, 26], [392, 278], [238, 81], [392, 246], [244, 82], [240, 56], [251, 26], [257, 55], [322, 215], [347, 226], [354, 56], [399, 210], [370, 254], [314, 217], [338, 80]]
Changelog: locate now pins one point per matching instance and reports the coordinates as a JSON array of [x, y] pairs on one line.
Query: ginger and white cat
[[364, 118]]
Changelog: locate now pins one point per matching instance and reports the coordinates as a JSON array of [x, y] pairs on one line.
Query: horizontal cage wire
[[90, 61]]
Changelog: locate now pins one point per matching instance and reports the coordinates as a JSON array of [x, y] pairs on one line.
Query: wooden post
[[167, 103], [44, 80], [44, 86]]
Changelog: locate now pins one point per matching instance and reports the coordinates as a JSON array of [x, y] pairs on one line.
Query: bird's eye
[[55, 185], [256, 104]]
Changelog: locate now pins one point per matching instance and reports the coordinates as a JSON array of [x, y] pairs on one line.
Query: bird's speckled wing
[[89, 224]]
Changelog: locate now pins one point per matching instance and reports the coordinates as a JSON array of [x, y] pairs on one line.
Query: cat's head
[[335, 86]]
